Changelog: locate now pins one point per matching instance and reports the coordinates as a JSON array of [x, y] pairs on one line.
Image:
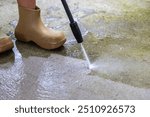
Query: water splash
[[86, 56]]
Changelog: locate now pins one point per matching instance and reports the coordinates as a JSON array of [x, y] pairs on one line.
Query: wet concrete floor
[[117, 41]]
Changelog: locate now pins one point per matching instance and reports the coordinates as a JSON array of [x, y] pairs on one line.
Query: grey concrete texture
[[116, 39], [58, 77]]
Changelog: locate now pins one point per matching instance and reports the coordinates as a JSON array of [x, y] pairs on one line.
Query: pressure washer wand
[[73, 24]]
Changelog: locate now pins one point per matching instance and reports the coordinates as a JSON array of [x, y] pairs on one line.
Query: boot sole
[[50, 47]]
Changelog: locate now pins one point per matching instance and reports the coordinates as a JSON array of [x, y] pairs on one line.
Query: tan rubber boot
[[31, 28], [5, 44]]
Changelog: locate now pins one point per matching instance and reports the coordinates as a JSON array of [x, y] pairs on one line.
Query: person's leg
[[27, 3], [31, 28]]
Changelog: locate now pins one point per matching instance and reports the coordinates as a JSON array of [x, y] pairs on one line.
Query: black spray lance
[[75, 29], [73, 24]]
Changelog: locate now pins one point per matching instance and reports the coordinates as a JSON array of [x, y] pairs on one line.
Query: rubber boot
[[5, 44], [31, 28]]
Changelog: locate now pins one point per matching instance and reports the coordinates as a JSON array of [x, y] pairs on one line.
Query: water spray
[[75, 29]]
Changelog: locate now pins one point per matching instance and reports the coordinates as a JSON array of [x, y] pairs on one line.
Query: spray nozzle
[[73, 24], [76, 32]]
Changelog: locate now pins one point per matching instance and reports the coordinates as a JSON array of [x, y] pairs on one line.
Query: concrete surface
[[117, 41]]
